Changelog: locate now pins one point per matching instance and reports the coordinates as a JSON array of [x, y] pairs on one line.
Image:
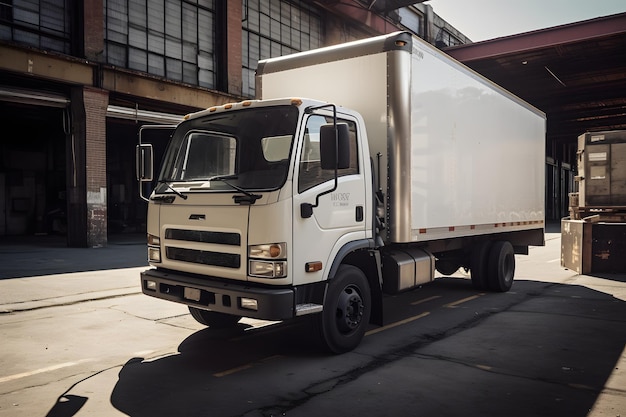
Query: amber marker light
[[275, 251], [313, 266]]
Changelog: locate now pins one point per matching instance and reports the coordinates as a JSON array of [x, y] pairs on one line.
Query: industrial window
[[445, 38], [273, 28], [412, 20], [310, 170], [44, 24], [169, 38]]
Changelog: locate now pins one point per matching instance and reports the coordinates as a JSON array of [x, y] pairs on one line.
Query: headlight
[[268, 251], [154, 248], [153, 240], [154, 254], [267, 260], [265, 269]]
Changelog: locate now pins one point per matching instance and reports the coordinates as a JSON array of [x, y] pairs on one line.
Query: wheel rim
[[349, 309], [509, 268]]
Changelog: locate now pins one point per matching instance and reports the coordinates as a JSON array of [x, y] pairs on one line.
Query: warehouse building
[[78, 79]]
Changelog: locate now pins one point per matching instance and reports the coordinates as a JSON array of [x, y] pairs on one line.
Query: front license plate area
[[192, 294]]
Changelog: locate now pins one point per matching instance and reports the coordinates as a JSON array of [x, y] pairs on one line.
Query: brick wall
[[96, 102], [93, 21], [233, 41]]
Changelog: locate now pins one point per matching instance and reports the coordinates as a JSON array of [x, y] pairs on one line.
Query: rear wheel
[[501, 266], [347, 310], [214, 319], [479, 263]]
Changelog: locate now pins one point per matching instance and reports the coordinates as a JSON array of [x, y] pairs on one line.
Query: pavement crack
[[24, 306], [160, 319], [505, 372]]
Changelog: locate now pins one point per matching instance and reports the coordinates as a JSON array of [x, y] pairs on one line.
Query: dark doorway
[[32, 170]]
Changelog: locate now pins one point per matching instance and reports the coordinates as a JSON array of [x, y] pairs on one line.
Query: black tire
[[347, 310], [214, 319], [478, 267], [447, 266], [501, 266]]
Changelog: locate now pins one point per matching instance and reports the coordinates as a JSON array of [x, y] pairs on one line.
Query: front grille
[[223, 238], [227, 260]]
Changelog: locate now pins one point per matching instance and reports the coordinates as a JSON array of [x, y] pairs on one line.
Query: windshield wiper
[[222, 177], [250, 198], [178, 193]]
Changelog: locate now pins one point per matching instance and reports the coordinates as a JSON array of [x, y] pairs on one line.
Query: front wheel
[[347, 310], [214, 319]]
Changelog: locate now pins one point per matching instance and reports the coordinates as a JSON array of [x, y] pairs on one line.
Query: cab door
[[340, 215]]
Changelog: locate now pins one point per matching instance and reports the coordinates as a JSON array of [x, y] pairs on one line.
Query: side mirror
[[145, 162], [327, 146]]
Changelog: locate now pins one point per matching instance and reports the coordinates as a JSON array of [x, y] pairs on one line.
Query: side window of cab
[[311, 173]]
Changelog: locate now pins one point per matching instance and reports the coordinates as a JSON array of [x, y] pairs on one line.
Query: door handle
[[359, 213]]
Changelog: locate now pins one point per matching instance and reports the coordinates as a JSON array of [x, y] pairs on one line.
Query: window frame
[[322, 177], [276, 28], [175, 39]]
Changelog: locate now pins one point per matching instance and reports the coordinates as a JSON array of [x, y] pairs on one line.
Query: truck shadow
[[210, 374], [548, 350]]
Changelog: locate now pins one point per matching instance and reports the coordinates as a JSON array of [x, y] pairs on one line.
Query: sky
[[480, 20]]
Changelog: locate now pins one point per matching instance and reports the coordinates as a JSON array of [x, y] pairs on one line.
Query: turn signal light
[[313, 266]]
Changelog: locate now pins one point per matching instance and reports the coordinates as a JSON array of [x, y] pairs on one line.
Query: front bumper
[[202, 292]]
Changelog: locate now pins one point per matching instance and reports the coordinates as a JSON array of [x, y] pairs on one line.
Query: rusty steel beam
[[389, 5], [541, 39]]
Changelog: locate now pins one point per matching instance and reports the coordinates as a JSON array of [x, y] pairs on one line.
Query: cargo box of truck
[[459, 156]]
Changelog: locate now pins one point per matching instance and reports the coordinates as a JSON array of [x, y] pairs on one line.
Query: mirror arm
[[306, 209]]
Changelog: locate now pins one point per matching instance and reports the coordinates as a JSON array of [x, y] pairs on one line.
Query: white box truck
[[360, 170]]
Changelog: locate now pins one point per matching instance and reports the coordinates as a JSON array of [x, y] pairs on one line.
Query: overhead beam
[[389, 5], [540, 39]]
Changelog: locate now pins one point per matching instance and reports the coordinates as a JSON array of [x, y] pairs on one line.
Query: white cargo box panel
[[461, 156]]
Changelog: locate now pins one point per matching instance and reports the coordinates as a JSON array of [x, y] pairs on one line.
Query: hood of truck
[[204, 235]]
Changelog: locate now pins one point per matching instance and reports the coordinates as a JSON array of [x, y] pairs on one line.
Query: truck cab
[[254, 206]]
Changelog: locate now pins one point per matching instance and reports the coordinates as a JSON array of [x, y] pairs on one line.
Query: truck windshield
[[249, 148]]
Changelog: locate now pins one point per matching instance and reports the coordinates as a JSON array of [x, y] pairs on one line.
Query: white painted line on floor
[[143, 353], [396, 324], [464, 300], [43, 370], [246, 366], [434, 297]]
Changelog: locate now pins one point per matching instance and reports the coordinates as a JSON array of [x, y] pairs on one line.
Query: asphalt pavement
[[41, 271], [566, 351]]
